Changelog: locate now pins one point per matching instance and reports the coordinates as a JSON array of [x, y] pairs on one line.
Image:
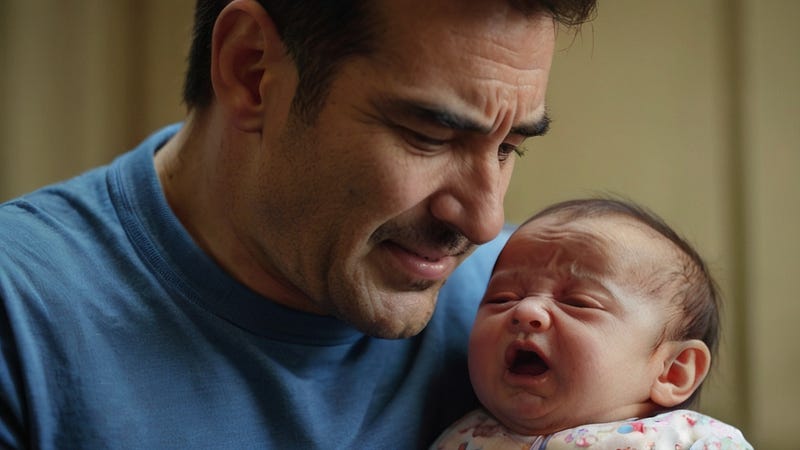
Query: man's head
[[596, 311], [320, 35], [354, 170]]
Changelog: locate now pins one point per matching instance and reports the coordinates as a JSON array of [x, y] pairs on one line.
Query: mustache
[[428, 234]]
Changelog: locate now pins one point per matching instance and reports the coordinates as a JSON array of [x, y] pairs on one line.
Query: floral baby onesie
[[673, 430]]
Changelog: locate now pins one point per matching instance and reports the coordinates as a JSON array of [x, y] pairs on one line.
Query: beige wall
[[83, 80], [690, 107]]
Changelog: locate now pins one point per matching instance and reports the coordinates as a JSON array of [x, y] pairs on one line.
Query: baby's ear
[[685, 365]]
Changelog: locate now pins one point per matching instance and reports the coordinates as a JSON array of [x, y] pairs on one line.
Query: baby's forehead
[[608, 245], [543, 240], [593, 230]]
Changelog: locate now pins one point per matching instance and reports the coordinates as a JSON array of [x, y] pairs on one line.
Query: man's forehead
[[465, 30], [461, 70]]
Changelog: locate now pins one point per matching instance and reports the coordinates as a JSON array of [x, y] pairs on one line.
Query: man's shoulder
[[50, 239], [45, 213]]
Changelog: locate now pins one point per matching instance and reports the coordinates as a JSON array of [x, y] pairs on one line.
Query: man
[[240, 281]]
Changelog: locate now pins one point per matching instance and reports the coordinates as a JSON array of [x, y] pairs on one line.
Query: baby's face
[[567, 330]]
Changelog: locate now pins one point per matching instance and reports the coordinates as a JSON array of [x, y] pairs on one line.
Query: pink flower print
[[631, 427], [581, 438]]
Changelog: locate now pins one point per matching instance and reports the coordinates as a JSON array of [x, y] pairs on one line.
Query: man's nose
[[531, 315], [472, 198]]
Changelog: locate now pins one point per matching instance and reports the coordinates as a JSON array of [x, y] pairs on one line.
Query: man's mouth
[[425, 253], [526, 362], [427, 267]]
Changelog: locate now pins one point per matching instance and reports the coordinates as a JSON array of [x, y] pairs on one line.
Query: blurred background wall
[[691, 107]]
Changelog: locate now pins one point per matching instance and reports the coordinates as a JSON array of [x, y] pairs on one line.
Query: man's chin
[[405, 322], [424, 285], [403, 331]]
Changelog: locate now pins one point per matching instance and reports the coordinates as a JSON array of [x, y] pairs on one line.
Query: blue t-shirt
[[117, 331]]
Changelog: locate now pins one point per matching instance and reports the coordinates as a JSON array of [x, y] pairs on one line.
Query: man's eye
[[505, 150], [423, 141]]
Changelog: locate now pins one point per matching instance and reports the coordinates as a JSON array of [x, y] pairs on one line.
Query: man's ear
[[685, 366], [245, 48]]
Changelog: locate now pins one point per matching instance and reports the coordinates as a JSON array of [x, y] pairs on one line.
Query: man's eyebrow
[[454, 121], [538, 128]]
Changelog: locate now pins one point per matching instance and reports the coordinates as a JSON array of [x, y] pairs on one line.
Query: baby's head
[[596, 311]]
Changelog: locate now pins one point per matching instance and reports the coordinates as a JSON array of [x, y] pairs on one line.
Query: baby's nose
[[531, 315]]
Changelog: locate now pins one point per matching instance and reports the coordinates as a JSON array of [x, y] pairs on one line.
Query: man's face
[[568, 330], [365, 212]]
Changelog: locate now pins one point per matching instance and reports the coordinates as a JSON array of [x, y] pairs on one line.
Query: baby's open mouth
[[526, 362]]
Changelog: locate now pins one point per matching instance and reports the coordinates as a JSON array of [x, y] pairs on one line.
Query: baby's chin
[[532, 420], [557, 420], [537, 427]]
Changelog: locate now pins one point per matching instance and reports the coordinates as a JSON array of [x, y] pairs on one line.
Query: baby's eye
[[579, 301], [499, 299]]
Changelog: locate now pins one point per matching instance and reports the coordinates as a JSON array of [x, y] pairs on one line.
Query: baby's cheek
[[484, 355]]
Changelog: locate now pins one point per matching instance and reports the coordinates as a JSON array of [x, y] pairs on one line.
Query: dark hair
[[319, 35], [697, 299]]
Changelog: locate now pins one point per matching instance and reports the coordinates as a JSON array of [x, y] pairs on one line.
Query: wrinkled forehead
[[547, 241], [459, 30], [479, 55], [608, 246]]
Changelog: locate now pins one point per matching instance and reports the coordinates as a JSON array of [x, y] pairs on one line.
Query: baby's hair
[[697, 296]]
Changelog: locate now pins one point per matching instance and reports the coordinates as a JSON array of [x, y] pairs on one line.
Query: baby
[[597, 329]]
